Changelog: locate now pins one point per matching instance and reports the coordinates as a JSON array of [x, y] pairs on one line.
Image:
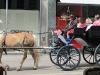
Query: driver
[[71, 24]]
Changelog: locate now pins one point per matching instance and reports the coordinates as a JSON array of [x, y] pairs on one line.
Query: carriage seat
[[94, 34], [78, 32]]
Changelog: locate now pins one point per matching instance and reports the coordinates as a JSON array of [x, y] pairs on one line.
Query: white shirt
[[88, 27]]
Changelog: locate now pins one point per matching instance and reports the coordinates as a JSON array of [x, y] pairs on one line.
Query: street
[[46, 67]]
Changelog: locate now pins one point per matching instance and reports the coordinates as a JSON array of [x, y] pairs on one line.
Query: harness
[[25, 40], [24, 43]]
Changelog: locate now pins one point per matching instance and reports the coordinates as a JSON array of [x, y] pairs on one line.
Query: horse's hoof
[[7, 68], [17, 69], [34, 68]]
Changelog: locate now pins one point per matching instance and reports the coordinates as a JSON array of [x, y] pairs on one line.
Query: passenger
[[71, 24], [88, 24], [79, 23], [97, 20], [58, 33], [71, 31]]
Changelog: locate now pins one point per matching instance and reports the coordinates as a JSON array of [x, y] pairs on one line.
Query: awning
[[96, 2]]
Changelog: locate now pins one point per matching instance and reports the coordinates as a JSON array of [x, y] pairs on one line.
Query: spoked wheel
[[53, 56], [88, 55], [68, 58], [97, 55]]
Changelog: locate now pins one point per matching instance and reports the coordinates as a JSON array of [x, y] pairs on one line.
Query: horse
[[20, 39]]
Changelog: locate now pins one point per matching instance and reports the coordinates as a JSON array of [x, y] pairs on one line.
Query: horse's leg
[[35, 59], [23, 59], [1, 51], [5, 65]]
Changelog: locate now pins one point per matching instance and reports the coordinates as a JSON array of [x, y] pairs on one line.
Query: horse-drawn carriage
[[68, 57]]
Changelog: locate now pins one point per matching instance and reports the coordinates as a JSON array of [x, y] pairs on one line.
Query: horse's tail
[[36, 51]]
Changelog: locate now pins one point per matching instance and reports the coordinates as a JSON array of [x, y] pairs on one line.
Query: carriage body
[[87, 45]]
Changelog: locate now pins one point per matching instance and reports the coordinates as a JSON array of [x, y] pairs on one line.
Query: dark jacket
[[71, 24]]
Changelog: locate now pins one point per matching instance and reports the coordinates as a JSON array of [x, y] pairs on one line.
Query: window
[[9, 4], [32, 4], [20, 4]]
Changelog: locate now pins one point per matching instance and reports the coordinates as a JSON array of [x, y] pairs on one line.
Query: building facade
[[31, 15], [44, 15], [82, 9], [21, 15]]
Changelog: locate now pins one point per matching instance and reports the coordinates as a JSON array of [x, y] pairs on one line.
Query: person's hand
[[64, 29], [84, 34]]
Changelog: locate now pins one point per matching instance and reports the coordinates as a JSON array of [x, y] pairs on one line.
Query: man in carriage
[[70, 26]]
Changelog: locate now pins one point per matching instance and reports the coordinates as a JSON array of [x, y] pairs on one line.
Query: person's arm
[[74, 23], [67, 26], [88, 27]]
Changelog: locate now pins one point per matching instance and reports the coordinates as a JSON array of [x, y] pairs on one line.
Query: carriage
[[68, 57]]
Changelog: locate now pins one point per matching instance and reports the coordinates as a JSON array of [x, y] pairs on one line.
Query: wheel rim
[[97, 55], [68, 58], [88, 55], [53, 56]]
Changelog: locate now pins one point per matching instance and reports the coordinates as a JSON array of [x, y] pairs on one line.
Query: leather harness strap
[[25, 39]]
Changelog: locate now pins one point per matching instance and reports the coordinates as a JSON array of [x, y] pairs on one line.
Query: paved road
[[45, 66]]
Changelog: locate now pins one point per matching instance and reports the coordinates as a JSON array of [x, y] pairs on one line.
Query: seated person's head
[[72, 16], [78, 22], [88, 21], [97, 17]]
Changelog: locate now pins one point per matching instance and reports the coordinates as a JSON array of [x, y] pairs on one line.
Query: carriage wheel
[[88, 55], [68, 58], [97, 55], [53, 56]]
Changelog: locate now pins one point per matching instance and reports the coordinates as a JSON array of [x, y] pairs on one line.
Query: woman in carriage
[[95, 23], [87, 25]]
